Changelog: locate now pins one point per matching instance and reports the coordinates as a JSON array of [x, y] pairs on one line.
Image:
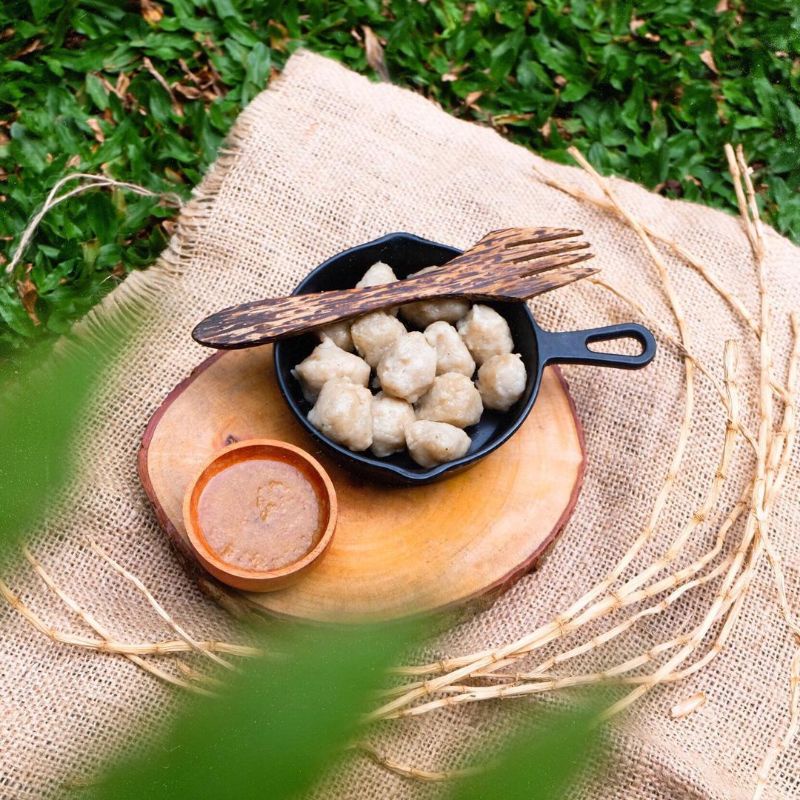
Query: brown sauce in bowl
[[260, 514]]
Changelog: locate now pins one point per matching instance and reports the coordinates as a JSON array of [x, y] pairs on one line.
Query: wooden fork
[[511, 265]]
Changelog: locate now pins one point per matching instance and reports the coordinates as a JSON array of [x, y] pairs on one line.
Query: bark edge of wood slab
[[384, 561], [511, 265]]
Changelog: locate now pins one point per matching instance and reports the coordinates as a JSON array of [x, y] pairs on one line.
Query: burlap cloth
[[322, 160]]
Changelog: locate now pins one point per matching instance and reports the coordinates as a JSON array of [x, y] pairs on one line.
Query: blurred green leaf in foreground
[[41, 406], [286, 717], [541, 765], [275, 726]]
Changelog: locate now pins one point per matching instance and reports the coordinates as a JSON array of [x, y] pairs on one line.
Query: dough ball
[[327, 361], [373, 334], [376, 275], [501, 381], [338, 333], [485, 333], [431, 443], [451, 352], [425, 312], [408, 367], [390, 416], [454, 399], [343, 412]]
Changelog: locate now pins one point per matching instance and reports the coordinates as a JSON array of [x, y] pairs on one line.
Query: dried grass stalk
[[705, 272], [688, 706], [407, 771], [100, 629], [112, 646], [773, 447], [736, 582], [90, 182], [157, 607], [788, 436]]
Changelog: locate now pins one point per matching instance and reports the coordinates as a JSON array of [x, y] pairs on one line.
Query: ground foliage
[[145, 91]]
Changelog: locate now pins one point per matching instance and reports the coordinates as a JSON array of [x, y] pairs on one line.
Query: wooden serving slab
[[397, 551]]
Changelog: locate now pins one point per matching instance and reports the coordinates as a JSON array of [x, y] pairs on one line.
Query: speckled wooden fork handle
[[511, 264]]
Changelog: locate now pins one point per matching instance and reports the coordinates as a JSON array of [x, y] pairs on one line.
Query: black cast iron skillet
[[407, 253]]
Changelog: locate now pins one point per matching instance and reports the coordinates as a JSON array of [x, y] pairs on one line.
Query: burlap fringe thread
[[489, 674]]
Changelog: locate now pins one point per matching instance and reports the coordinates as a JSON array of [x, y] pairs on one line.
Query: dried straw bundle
[[773, 447]]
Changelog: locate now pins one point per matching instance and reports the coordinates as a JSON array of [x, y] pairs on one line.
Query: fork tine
[[516, 280], [540, 250], [549, 264], [510, 237], [533, 235], [503, 271], [541, 282], [554, 262]]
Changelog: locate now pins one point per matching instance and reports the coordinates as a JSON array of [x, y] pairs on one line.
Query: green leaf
[[504, 54], [101, 216], [41, 8], [621, 14], [541, 765], [276, 724], [96, 91], [576, 90], [258, 64], [746, 122], [14, 315], [40, 407], [793, 111], [225, 9]]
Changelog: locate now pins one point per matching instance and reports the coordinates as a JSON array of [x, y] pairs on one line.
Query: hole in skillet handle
[[407, 253]]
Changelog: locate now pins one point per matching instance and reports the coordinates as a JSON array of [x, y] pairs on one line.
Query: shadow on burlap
[[321, 161]]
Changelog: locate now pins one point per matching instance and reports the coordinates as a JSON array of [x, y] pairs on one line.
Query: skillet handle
[[572, 347]]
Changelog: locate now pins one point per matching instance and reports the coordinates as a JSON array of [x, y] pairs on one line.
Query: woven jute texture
[[323, 160]]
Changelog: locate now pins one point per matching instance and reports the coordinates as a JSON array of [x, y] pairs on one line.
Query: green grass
[[650, 91]]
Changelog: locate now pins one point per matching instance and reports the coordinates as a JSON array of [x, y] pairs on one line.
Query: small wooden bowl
[[255, 580]]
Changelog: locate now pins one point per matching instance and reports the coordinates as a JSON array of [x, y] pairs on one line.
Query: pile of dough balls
[[422, 360]]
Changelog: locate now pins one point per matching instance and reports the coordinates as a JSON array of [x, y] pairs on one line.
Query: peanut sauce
[[260, 514]]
